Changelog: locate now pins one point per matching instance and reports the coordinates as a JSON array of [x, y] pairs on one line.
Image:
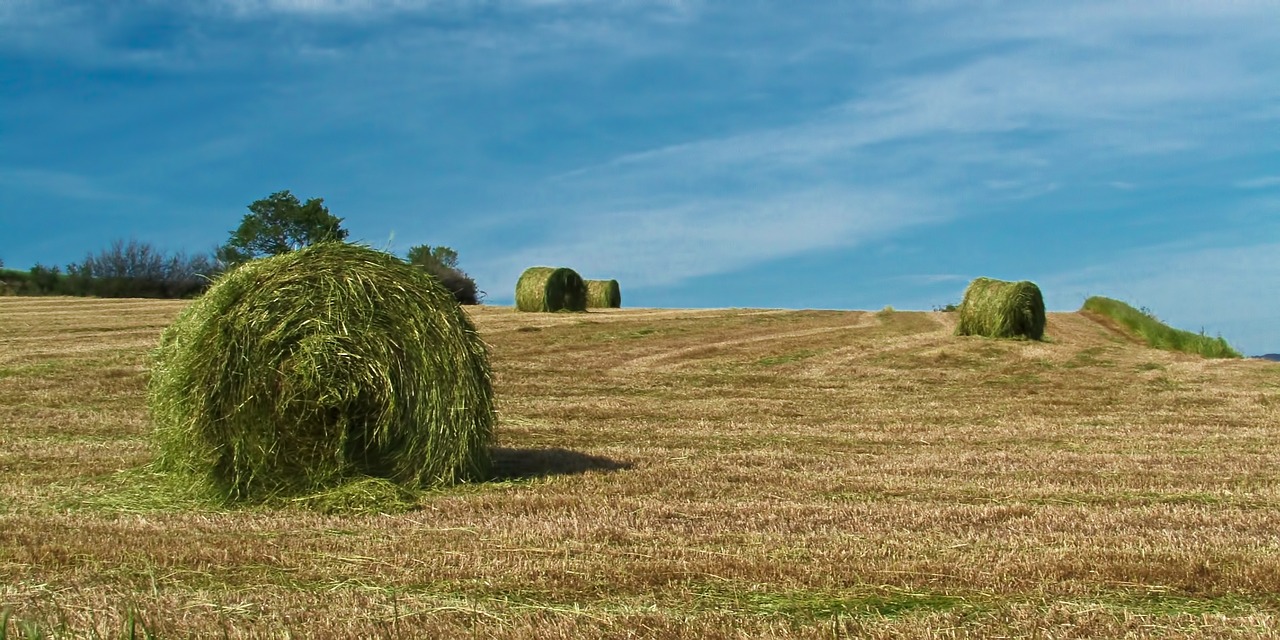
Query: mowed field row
[[683, 473]]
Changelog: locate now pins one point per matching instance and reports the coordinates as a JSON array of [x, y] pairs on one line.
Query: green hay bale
[[551, 289], [603, 294], [999, 309], [297, 373]]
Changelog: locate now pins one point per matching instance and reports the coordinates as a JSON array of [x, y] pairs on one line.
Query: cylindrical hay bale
[[299, 372], [999, 309], [603, 294], [551, 289]]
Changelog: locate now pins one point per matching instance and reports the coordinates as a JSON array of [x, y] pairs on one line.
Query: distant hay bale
[[999, 309], [551, 289], [299, 373], [603, 294]]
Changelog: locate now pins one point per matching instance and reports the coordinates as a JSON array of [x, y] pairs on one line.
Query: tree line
[[277, 224]]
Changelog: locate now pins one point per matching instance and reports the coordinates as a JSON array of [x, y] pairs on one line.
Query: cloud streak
[[664, 246]]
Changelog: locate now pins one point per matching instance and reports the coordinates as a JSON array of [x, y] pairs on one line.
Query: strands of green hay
[[603, 294], [551, 289], [999, 309], [362, 496], [295, 374], [1158, 334]]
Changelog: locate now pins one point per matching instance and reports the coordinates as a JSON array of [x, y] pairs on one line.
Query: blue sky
[[769, 154]]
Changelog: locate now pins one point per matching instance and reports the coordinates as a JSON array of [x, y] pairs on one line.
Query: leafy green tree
[[425, 255], [442, 262], [278, 224], [45, 280]]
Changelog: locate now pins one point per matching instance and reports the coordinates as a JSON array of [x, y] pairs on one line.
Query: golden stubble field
[[692, 473]]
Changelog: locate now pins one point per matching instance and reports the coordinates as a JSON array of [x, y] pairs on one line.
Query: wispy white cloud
[[661, 246], [327, 7], [930, 279], [62, 184], [357, 8], [467, 36], [1110, 103]]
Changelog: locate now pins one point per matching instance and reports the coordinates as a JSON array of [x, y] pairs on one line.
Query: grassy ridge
[[1159, 334]]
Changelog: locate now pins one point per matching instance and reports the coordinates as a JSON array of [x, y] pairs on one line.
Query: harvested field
[[702, 473]]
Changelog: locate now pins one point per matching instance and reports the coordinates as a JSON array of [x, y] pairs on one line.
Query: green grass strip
[[1158, 334]]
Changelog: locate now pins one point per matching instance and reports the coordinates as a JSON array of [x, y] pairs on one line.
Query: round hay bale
[[300, 372], [999, 309], [551, 289], [603, 294]]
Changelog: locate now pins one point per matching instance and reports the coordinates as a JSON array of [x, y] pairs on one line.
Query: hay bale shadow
[[524, 464]]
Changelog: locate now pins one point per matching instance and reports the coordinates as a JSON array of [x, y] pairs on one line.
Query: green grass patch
[[143, 490], [1088, 357], [632, 334], [35, 369], [1017, 379], [134, 627], [1167, 604], [773, 361], [362, 496], [811, 606], [146, 490], [1157, 334]]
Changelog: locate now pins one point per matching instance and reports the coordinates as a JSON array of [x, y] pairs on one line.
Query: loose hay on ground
[[295, 374]]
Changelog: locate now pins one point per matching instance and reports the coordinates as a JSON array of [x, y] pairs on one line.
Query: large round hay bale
[[603, 294], [999, 309], [551, 289], [300, 372]]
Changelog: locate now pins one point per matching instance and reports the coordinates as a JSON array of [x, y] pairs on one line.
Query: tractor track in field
[[655, 361], [490, 324], [843, 357]]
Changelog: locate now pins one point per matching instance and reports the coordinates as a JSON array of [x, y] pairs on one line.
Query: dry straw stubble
[[551, 289], [297, 373], [1000, 309]]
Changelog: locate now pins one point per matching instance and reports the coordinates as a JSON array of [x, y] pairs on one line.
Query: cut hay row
[[301, 372], [1000, 309], [603, 294], [551, 289]]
